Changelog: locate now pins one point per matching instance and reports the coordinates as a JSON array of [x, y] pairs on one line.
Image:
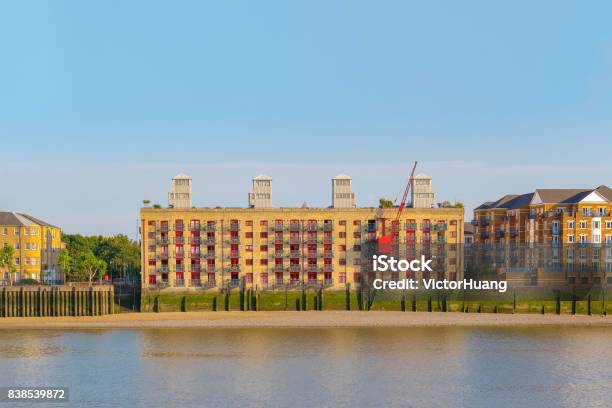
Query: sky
[[102, 102]]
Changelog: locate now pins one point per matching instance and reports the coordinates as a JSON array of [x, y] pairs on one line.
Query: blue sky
[[101, 103]]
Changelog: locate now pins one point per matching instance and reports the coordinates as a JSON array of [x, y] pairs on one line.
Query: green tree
[[7, 260], [384, 203], [65, 260], [89, 267], [446, 204], [458, 204]]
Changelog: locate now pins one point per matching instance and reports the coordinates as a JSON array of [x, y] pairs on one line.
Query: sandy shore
[[295, 320]]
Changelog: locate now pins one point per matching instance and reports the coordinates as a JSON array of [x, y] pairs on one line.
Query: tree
[[458, 204], [146, 202], [65, 261], [446, 204], [7, 260], [384, 203], [90, 267]]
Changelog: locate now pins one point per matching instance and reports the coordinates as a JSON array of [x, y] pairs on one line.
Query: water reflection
[[427, 367]]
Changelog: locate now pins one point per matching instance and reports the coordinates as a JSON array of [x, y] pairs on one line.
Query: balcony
[[484, 235], [555, 230], [597, 214], [162, 256], [179, 282], [163, 269], [328, 254], [234, 268], [440, 227], [411, 226], [278, 227], [163, 241], [279, 269], [513, 232], [312, 226], [484, 222], [179, 268], [179, 255], [210, 241], [328, 226], [210, 255], [233, 240], [295, 240], [328, 268], [500, 233], [295, 268], [294, 226], [195, 240], [195, 283], [280, 241], [295, 254], [328, 240], [178, 228], [425, 226], [179, 240], [313, 241], [531, 216], [371, 227], [234, 226], [209, 228], [328, 282], [234, 254]]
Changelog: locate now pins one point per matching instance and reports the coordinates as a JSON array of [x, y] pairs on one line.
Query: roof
[[605, 191], [181, 176], [502, 202], [262, 177], [520, 201], [562, 195], [421, 176], [484, 206], [342, 177], [468, 228], [13, 219]]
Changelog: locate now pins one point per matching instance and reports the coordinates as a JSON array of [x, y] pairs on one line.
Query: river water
[[370, 367]]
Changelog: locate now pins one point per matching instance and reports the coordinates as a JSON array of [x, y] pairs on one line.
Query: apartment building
[[37, 245], [547, 216], [550, 235], [422, 195], [290, 247]]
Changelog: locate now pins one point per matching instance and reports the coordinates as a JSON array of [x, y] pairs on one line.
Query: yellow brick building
[[289, 247], [551, 236], [37, 245]]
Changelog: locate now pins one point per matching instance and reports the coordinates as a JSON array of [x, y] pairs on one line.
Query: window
[[356, 223], [357, 261], [584, 224], [596, 224], [27, 261], [264, 223], [570, 225], [17, 261], [356, 234], [248, 223], [586, 211], [248, 248], [34, 231], [342, 222], [27, 246], [26, 231], [34, 246], [33, 261], [342, 234], [5, 231], [16, 231], [342, 248], [249, 262], [570, 239], [342, 261], [248, 234], [609, 224], [356, 247], [263, 248], [596, 238], [263, 235], [263, 262]]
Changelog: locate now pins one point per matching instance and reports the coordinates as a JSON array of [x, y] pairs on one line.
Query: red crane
[[385, 241]]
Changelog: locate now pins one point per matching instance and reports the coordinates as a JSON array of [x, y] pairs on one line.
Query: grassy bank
[[520, 301]]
